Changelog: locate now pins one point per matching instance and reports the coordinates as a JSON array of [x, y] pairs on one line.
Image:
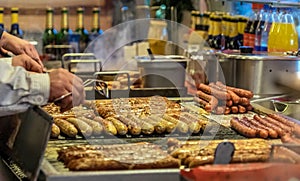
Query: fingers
[[62, 82]]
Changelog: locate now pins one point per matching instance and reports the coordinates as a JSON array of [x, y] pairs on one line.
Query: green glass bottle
[[15, 28], [84, 34], [50, 33], [96, 28], [65, 31]]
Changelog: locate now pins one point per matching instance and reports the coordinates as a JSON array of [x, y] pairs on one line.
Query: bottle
[[234, 43], [15, 28], [287, 36], [260, 27], [1, 18], [210, 30], [65, 31], [252, 31], [216, 35], [242, 23], [265, 33], [194, 19], [225, 32], [50, 33], [96, 28], [84, 34]]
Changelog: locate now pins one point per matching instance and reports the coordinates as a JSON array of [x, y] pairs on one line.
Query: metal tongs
[[99, 85]]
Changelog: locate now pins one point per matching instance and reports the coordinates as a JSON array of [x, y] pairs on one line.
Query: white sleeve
[[19, 89]]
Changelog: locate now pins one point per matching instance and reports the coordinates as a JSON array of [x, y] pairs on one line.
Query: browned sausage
[[244, 101], [85, 129], [55, 131], [295, 127], [203, 104], [238, 91], [279, 124], [249, 107], [235, 98], [271, 132], [209, 98], [234, 109], [261, 133], [287, 138], [241, 128], [227, 110], [279, 131], [242, 109], [66, 128], [219, 94], [229, 103]]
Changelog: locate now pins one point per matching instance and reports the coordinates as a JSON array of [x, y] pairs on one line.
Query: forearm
[[20, 87]]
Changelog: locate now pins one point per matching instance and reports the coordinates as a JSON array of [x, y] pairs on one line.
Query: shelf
[[273, 3], [41, 4]]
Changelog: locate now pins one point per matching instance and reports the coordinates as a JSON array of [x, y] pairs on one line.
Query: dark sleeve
[[1, 32]]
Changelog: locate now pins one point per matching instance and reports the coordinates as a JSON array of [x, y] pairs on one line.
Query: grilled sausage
[[203, 104], [244, 101], [242, 109], [229, 103], [209, 98], [55, 131], [234, 109], [261, 133], [159, 126], [146, 128], [241, 128], [238, 91], [132, 126], [121, 127], [295, 127], [284, 127], [234, 97], [66, 127], [97, 127], [194, 126], [170, 127], [287, 138], [108, 126], [271, 132], [85, 129], [219, 94], [227, 110], [180, 126], [279, 131]]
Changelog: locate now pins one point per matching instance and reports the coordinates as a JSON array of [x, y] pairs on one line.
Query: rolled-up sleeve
[[19, 88]]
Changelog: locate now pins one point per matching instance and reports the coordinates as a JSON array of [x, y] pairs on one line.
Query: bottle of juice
[[274, 30]]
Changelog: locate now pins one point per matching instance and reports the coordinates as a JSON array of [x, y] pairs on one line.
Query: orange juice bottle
[[274, 30], [288, 33]]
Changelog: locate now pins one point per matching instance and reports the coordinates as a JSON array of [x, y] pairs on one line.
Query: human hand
[[27, 62], [19, 46], [63, 82]]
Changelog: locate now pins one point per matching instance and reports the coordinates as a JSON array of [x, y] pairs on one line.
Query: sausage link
[[159, 127], [170, 127], [287, 138], [133, 127], [194, 126], [261, 133], [229, 103], [295, 127], [55, 131], [121, 127], [241, 128], [271, 132], [234, 109], [108, 126], [209, 98], [279, 124], [235, 98], [97, 127], [66, 127], [219, 94], [146, 128], [220, 110], [279, 131], [180, 126], [244, 101], [203, 104], [242, 109], [238, 91], [85, 129], [227, 110]]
